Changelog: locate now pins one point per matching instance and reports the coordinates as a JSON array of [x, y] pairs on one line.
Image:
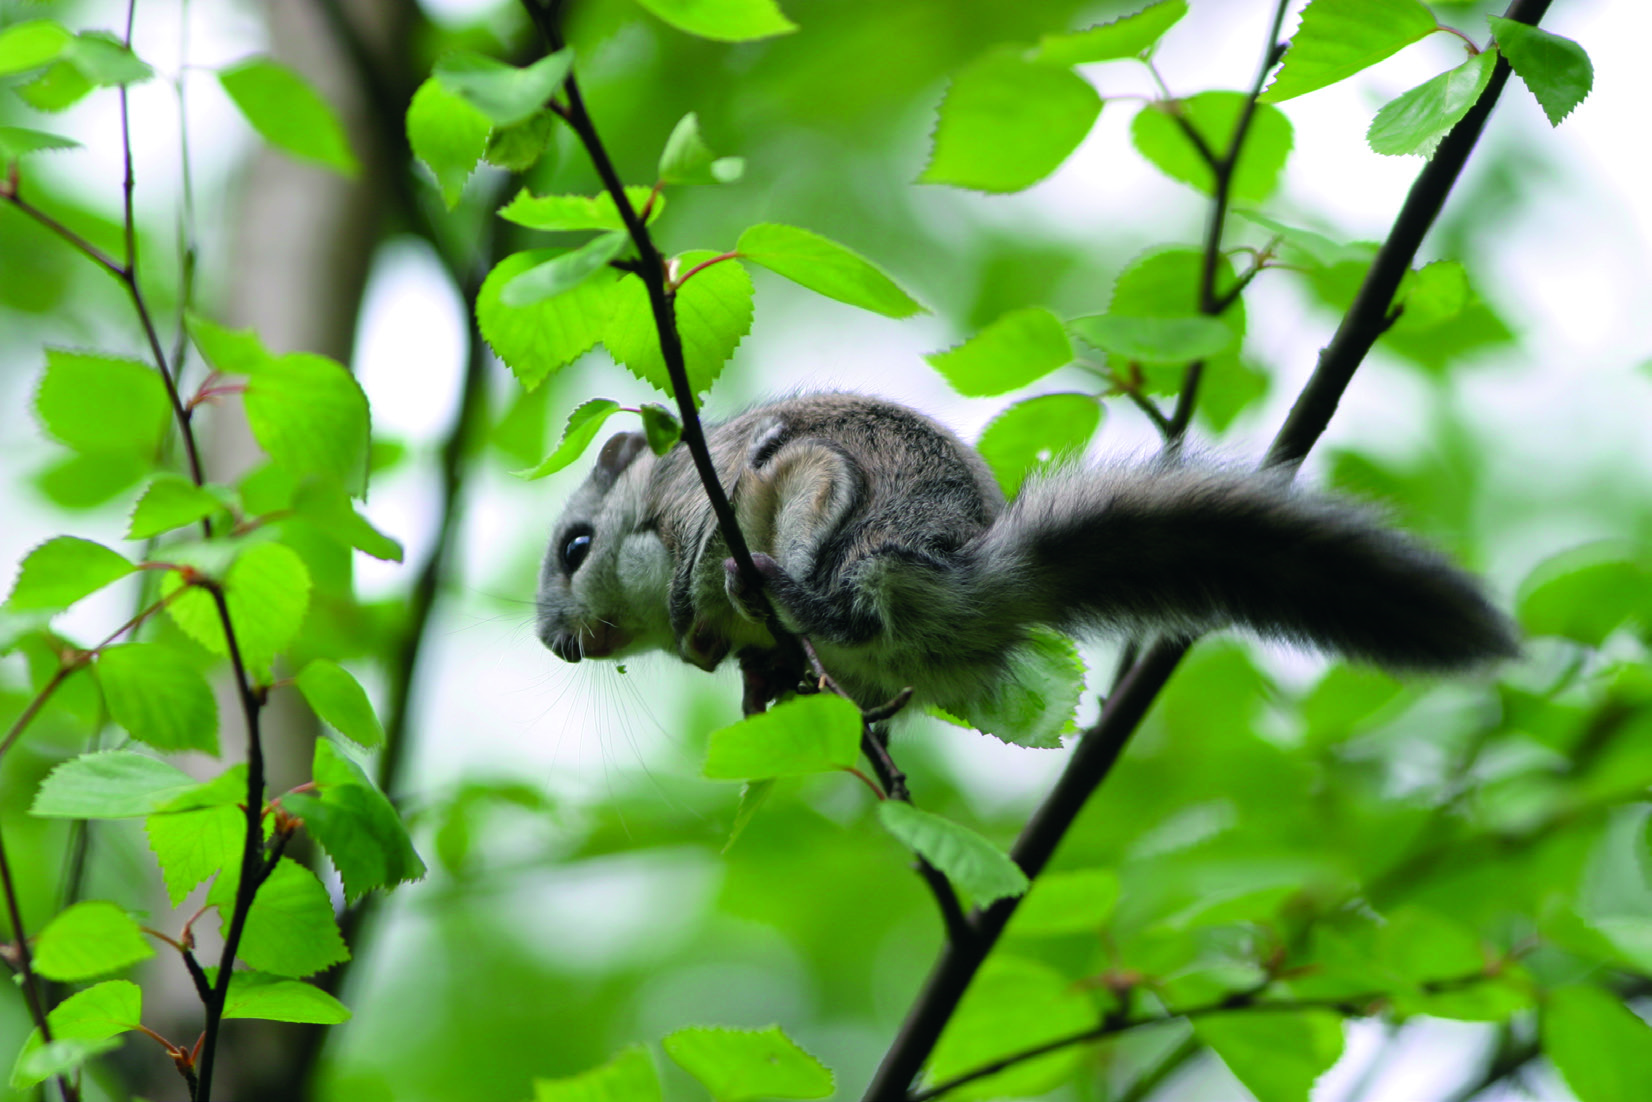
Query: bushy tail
[[1183, 549]]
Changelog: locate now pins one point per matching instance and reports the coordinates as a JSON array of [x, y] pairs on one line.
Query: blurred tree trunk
[[303, 244]]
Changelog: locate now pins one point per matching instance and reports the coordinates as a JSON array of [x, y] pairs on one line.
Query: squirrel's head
[[603, 583]]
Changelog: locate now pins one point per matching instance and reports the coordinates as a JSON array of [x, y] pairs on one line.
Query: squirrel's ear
[[618, 454]]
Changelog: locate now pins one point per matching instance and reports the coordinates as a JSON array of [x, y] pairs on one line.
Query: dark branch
[[1222, 170], [651, 269], [28, 980], [1099, 747], [253, 869], [1251, 1001], [1370, 315]]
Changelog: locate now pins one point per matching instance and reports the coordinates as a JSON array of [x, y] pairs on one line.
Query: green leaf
[[102, 404], [448, 135], [1416, 121], [576, 212], [1344, 698], [687, 159], [583, 425], [17, 142], [290, 929], [1600, 1047], [338, 698], [231, 351], [824, 267], [289, 113], [1165, 284], [1215, 115], [193, 844], [1586, 593], [357, 826], [1556, 69], [1229, 389], [1433, 294], [60, 87], [1012, 1005], [87, 479], [1127, 36], [325, 504], [37, 1061], [808, 734], [547, 336], [1075, 901], [628, 1077], [1006, 123], [89, 939], [31, 44], [713, 314], [1277, 1056], [753, 795], [104, 60], [63, 570], [267, 590], [306, 411], [1033, 703], [504, 93], [1033, 434], [660, 427], [1338, 38], [519, 148], [170, 502], [310, 416], [109, 784], [563, 273], [1018, 348], [723, 20], [1155, 340], [736, 1065], [159, 697], [81, 1027], [1305, 248], [102, 1010], [977, 866], [274, 999]]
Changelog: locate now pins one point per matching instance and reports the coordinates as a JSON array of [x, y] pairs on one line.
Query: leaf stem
[[677, 284]]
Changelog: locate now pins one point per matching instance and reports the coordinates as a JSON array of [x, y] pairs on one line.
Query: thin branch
[[1250, 1001], [252, 865], [1222, 172], [661, 302], [129, 276], [1099, 748], [29, 981], [79, 243], [33, 707], [1368, 317], [1153, 412]]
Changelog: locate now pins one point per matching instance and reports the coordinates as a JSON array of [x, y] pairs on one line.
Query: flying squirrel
[[885, 539]]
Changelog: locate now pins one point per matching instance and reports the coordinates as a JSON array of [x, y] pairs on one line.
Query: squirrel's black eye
[[575, 546]]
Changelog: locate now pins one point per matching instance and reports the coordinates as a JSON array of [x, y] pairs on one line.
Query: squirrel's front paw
[[742, 596]]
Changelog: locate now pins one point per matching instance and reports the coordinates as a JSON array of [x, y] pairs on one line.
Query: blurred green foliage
[[1475, 851]]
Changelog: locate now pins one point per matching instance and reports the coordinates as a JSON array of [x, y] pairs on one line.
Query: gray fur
[[885, 539]]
